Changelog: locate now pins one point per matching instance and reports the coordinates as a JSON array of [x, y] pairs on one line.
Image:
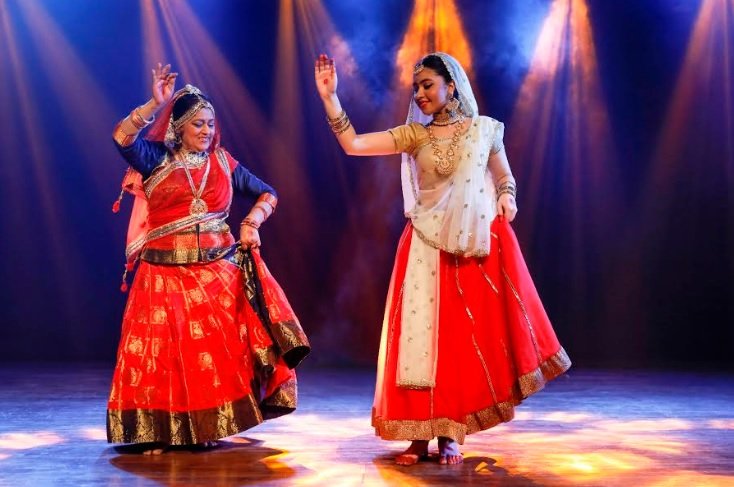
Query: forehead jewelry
[[418, 68]]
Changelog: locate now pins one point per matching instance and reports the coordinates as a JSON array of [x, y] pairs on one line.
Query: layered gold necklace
[[446, 163]]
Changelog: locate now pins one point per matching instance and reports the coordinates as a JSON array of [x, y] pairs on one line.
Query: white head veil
[[467, 106], [459, 222]]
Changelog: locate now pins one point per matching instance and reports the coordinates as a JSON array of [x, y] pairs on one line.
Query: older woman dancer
[[209, 341]]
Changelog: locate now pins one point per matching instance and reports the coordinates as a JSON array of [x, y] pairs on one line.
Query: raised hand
[[325, 76], [164, 83]]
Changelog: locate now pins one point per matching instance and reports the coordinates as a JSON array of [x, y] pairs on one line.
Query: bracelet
[[508, 187], [250, 223], [340, 124], [270, 199], [263, 207], [137, 119]]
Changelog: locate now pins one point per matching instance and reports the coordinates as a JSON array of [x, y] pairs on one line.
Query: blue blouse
[[145, 155]]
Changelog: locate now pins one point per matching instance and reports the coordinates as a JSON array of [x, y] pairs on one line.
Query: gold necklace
[[194, 159], [445, 164], [198, 206], [441, 119]]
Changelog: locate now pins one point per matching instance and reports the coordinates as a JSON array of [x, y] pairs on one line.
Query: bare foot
[[417, 450], [155, 449], [448, 452]]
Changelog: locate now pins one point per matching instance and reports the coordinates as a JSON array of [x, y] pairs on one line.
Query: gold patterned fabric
[[196, 362]]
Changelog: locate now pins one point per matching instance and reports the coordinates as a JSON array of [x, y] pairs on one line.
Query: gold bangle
[[262, 209], [342, 115], [340, 124], [138, 121], [268, 198], [250, 223]]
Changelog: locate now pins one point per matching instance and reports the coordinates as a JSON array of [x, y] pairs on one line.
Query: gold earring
[[452, 107]]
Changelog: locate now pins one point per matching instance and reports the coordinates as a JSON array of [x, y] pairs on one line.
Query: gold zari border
[[502, 412], [183, 256], [191, 427]]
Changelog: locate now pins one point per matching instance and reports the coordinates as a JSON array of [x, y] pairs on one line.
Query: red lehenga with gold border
[[465, 337], [209, 341]]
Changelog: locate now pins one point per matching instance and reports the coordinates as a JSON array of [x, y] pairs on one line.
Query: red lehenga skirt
[[206, 351], [496, 346]]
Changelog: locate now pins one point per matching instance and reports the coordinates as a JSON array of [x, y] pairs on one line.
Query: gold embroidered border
[[159, 174], [222, 158], [184, 222], [210, 226], [292, 342], [460, 253], [169, 165], [283, 401], [182, 428], [183, 256], [408, 429], [123, 139], [549, 369], [191, 427]]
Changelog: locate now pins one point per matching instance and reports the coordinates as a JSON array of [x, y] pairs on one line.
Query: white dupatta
[[455, 217]]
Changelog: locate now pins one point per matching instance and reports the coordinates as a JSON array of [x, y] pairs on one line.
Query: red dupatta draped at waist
[[161, 210]]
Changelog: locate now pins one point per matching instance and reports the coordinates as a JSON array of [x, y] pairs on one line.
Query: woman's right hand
[[325, 76], [163, 83]]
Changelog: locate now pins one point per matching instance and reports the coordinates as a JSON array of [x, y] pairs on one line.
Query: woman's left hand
[[249, 237], [506, 207]]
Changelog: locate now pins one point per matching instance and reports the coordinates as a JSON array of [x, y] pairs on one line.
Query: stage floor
[[589, 428]]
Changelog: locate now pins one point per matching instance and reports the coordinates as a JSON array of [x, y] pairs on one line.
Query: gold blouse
[[413, 137]]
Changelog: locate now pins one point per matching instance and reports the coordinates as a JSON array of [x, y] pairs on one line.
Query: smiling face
[[431, 91], [197, 134]]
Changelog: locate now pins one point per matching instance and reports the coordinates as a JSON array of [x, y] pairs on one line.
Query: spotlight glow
[[435, 25]]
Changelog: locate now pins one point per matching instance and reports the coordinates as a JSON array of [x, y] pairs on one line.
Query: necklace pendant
[[198, 207]]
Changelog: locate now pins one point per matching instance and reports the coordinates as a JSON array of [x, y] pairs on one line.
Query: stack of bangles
[[508, 187], [266, 203], [138, 121], [340, 124]]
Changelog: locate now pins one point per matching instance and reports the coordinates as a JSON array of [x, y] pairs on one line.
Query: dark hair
[[434, 62], [185, 102]]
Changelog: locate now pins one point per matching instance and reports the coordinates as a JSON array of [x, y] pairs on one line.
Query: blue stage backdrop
[[619, 126]]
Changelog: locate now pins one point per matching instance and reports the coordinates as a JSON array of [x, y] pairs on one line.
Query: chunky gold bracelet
[[268, 198], [265, 208]]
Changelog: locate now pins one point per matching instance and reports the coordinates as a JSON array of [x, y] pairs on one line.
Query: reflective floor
[[589, 428]]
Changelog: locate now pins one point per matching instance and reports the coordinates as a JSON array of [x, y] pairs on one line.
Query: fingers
[[324, 64], [162, 72], [509, 210]]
